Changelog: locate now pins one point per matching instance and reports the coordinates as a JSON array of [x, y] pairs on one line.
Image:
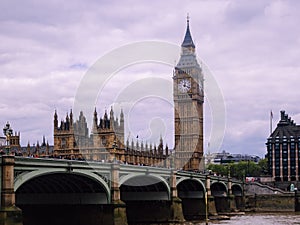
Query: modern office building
[[283, 148]]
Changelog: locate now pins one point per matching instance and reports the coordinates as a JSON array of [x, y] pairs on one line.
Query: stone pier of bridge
[[118, 206], [9, 213]]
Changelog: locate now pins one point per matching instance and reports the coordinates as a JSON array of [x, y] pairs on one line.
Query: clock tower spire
[[188, 98], [188, 41]]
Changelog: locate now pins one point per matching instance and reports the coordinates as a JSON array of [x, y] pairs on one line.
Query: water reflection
[[261, 219]]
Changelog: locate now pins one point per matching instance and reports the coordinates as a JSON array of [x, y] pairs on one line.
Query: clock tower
[[188, 95]]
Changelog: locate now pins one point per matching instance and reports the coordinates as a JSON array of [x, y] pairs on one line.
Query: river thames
[[259, 219]]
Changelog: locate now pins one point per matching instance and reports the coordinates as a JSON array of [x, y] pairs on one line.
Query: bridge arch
[[191, 191], [186, 184], [144, 187], [219, 189], [194, 179], [125, 178], [92, 178], [237, 190], [141, 193], [68, 197]]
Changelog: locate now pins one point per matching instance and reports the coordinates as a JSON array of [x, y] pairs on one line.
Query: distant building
[[226, 157], [38, 150], [283, 148], [11, 142]]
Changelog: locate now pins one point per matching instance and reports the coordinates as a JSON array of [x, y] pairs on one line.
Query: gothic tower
[[188, 98]]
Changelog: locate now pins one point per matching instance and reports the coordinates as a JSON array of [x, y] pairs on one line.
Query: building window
[[103, 139], [63, 143], [270, 146]]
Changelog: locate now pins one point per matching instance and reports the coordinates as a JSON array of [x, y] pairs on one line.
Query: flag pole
[[271, 121]]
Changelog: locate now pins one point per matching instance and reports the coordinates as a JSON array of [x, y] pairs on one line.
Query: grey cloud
[[251, 47]]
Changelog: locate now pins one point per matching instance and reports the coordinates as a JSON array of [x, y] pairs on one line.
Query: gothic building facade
[[105, 142], [283, 150], [37, 150]]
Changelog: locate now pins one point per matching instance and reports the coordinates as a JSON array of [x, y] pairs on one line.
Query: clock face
[[184, 85]]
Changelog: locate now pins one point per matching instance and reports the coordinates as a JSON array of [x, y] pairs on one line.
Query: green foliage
[[264, 166], [240, 170], [218, 169]]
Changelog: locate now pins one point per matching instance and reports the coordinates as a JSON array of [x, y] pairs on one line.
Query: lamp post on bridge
[[9, 213], [7, 131]]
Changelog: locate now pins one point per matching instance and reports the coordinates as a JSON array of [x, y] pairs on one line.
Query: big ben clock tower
[[188, 97]]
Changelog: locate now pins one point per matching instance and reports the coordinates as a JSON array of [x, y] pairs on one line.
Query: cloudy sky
[[251, 47]]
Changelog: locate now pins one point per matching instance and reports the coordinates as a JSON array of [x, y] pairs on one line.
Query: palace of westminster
[[105, 142]]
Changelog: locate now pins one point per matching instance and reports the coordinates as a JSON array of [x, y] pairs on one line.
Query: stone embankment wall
[[263, 198], [261, 189]]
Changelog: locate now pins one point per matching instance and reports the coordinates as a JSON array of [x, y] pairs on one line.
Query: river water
[[259, 219]]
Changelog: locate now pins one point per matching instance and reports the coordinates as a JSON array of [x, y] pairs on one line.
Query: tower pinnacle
[[188, 41]]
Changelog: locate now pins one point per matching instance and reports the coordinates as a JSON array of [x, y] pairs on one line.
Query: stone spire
[[55, 120], [188, 41], [122, 117], [111, 118], [95, 121], [188, 57], [71, 117]]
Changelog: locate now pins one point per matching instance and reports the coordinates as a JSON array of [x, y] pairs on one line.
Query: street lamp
[[7, 131]]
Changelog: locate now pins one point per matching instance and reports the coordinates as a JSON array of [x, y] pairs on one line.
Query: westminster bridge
[[40, 189]]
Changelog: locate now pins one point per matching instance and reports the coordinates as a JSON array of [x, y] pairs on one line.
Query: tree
[[241, 169], [218, 169], [263, 163]]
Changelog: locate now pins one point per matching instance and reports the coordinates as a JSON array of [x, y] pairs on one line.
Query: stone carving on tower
[[188, 97]]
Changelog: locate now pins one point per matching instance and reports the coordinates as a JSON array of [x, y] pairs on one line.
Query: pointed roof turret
[[111, 114], [188, 41], [121, 116], [55, 115], [95, 121], [71, 116], [44, 141], [105, 115], [95, 115]]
